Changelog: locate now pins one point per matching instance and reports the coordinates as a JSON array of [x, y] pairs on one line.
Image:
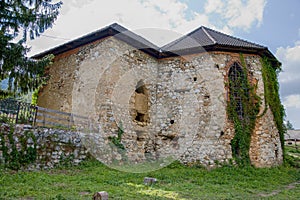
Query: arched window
[[237, 88]]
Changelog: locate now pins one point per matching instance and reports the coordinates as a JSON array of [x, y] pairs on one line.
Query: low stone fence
[[22, 147]]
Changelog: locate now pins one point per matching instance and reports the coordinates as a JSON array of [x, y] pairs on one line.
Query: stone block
[[149, 181], [100, 196]]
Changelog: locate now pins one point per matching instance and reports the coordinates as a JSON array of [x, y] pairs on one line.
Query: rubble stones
[[53, 146]]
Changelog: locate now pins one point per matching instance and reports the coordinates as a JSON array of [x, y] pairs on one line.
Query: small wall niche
[[140, 117], [140, 114]]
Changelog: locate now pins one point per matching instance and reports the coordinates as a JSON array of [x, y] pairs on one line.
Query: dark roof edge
[[144, 45], [214, 48], [179, 39], [74, 43], [233, 37], [111, 30]]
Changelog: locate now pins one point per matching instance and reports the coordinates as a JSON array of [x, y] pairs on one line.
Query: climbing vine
[[117, 140], [243, 119], [250, 102], [17, 153], [271, 87]]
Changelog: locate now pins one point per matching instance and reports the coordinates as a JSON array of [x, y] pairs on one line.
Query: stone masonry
[[53, 147], [174, 106]]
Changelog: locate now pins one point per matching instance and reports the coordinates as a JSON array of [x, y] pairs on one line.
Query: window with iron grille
[[238, 89]]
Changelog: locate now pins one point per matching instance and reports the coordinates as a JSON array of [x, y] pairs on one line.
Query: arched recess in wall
[[237, 88], [140, 112]]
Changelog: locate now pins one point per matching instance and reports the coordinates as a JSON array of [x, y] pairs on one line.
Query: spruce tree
[[20, 20]]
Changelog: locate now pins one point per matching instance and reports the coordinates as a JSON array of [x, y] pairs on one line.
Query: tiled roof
[[224, 39], [127, 36], [204, 37], [199, 40], [112, 30], [292, 135]]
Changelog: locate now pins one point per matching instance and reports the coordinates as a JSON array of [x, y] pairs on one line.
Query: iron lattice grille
[[237, 88]]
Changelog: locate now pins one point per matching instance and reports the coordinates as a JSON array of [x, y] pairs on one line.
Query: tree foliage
[[289, 125], [20, 19]]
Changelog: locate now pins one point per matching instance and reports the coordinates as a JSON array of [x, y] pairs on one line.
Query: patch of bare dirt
[[275, 192]]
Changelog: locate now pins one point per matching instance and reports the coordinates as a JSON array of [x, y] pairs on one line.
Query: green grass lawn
[[174, 182]]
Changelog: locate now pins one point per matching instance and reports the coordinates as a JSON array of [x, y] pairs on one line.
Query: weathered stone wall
[[166, 107], [265, 149], [56, 94], [44, 148]]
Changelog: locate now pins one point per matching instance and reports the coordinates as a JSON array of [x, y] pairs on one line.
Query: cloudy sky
[[273, 23]]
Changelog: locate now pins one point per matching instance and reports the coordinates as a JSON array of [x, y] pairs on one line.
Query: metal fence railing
[[13, 111], [53, 118], [16, 112]]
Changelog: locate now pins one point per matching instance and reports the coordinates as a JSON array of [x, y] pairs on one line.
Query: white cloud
[[292, 101], [289, 56], [238, 13], [289, 80], [214, 6], [74, 4], [77, 18]]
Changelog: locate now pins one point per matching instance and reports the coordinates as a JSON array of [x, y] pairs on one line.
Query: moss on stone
[[17, 154]]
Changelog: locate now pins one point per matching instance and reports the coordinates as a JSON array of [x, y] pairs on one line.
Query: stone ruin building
[[169, 100]]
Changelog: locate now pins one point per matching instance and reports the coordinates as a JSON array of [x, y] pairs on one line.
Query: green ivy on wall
[[117, 140], [271, 86], [244, 123], [14, 157]]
